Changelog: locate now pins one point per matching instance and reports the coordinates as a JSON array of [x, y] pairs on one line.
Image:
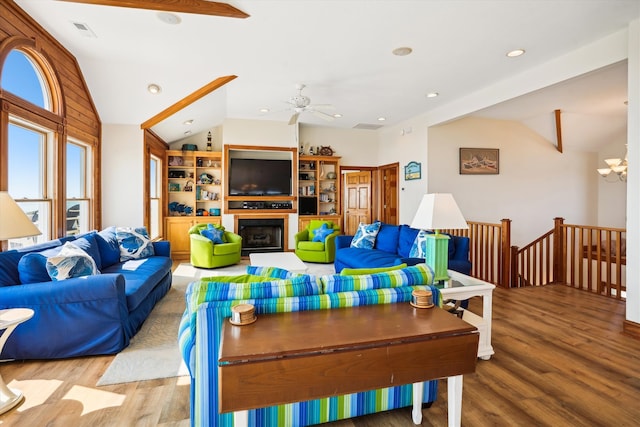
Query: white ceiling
[[342, 51]]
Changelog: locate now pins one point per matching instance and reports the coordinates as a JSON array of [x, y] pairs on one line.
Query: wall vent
[[367, 126], [84, 29]]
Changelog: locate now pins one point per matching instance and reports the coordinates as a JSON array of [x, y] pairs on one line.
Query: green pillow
[[373, 270]]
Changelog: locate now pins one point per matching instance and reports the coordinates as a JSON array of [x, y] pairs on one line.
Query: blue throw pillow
[[134, 243], [419, 247], [108, 246], [71, 262], [365, 237], [89, 244], [320, 234], [214, 234]]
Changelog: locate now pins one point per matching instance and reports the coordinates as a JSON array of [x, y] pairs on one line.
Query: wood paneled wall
[[75, 114]]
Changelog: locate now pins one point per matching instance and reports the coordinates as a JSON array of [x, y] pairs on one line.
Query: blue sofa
[[273, 290], [392, 247], [81, 316]]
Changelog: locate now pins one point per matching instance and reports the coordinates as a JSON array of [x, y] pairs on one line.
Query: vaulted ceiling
[[342, 51]]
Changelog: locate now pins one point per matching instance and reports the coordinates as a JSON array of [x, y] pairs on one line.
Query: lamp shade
[[14, 223], [438, 211]]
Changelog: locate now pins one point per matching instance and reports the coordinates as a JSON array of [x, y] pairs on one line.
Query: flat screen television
[[259, 177]]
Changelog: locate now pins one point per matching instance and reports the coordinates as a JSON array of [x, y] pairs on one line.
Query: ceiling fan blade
[[322, 107], [201, 7], [294, 118], [324, 116]]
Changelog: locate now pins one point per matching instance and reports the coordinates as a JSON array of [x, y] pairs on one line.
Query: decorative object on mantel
[[479, 161], [209, 147], [326, 151], [437, 212], [619, 166], [413, 170], [243, 314]]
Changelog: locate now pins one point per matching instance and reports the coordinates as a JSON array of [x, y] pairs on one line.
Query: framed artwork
[[479, 161], [413, 170], [174, 186]]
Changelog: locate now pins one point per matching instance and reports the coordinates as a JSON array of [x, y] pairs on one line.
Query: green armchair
[[323, 251], [206, 254]]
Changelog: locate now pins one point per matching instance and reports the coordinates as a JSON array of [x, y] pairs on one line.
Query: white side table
[[9, 319], [468, 287]]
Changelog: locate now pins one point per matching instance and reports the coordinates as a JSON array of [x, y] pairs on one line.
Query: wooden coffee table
[[290, 357], [286, 260]]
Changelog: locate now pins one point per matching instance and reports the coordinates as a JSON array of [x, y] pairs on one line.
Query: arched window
[[58, 197], [22, 77]]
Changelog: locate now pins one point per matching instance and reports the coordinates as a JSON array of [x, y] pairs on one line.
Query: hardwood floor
[[561, 360]]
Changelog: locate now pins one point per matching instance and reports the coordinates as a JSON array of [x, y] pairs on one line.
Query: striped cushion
[[419, 274], [205, 334]]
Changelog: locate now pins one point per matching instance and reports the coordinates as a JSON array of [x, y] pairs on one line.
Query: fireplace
[[261, 235]]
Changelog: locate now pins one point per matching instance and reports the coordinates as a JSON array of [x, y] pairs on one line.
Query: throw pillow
[[372, 270], [71, 262], [108, 246], [365, 237], [214, 234], [218, 227], [134, 243], [314, 224], [320, 234], [419, 247]]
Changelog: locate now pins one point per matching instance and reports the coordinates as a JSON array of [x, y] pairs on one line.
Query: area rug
[[153, 352]]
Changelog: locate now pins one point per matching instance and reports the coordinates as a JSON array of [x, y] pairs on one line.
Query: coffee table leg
[[241, 418], [454, 397], [416, 413]]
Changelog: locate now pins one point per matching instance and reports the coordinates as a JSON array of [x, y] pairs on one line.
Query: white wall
[[612, 193], [356, 147], [535, 184], [122, 175]]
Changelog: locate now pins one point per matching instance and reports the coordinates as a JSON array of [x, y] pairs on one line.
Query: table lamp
[[436, 212], [14, 223]]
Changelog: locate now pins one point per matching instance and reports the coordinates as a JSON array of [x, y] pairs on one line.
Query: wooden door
[[358, 200], [389, 194]]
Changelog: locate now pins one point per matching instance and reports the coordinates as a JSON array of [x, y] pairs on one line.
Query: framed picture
[[174, 186], [413, 170], [479, 161]]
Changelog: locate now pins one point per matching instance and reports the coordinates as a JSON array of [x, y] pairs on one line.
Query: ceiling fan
[[301, 103], [202, 7]]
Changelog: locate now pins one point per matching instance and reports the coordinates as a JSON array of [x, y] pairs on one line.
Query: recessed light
[[515, 53], [337, 115], [169, 18], [382, 119], [188, 122], [432, 94], [402, 51], [264, 110], [187, 132], [154, 88]]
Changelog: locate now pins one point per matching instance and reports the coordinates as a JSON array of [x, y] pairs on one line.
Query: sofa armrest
[[70, 316], [301, 236], [462, 248], [162, 248], [343, 241], [201, 245]]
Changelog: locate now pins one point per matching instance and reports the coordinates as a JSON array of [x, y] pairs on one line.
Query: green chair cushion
[[311, 246]]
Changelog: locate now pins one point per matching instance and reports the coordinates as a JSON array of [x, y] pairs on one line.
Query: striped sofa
[[273, 290]]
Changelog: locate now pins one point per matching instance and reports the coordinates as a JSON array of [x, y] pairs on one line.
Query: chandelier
[[617, 166]]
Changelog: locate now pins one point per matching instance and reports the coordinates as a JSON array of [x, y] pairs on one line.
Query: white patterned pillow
[[70, 262], [419, 247], [134, 243], [365, 237]]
